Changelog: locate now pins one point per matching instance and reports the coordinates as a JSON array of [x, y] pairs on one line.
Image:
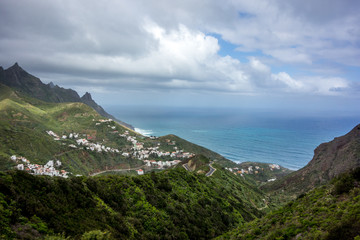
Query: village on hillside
[[37, 169], [135, 150], [254, 170]]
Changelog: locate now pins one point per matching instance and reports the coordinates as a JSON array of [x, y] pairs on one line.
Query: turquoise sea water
[[239, 135]]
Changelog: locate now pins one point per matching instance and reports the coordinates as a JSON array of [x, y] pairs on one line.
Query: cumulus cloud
[[171, 44]]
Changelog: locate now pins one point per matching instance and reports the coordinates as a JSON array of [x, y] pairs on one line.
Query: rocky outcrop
[[87, 99], [330, 159]]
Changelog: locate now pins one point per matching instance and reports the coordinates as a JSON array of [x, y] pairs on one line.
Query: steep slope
[[173, 204], [87, 99], [17, 78], [328, 212], [330, 159]]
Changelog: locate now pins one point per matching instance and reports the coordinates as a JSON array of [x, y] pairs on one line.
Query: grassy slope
[[172, 204], [328, 212], [24, 122], [191, 147]]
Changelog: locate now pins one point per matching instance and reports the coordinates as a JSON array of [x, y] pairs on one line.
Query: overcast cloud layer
[[210, 48]]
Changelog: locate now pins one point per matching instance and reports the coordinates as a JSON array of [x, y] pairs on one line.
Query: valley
[[68, 172]]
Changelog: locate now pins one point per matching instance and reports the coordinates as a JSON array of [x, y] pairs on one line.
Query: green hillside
[[25, 123], [173, 204], [328, 212]]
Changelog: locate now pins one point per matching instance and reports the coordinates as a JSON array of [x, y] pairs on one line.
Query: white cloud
[[326, 86], [288, 81], [170, 44]]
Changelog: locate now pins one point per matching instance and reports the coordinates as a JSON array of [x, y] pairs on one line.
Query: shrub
[[344, 184]]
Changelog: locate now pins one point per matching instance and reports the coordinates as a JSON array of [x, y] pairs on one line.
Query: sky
[[302, 55]]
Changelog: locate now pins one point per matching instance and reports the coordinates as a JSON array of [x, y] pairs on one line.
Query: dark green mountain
[[173, 204], [17, 78]]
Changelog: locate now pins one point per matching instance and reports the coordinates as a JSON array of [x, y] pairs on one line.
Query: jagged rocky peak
[[87, 96], [16, 67], [51, 85]]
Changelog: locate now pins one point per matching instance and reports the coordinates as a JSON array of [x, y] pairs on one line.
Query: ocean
[[241, 135]]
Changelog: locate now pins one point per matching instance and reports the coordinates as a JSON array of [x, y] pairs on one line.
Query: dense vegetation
[[328, 212], [173, 204]]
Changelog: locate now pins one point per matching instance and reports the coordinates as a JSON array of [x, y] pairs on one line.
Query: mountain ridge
[[331, 159], [17, 78]]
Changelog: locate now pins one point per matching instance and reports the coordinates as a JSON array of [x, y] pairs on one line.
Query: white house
[[20, 166], [49, 164]]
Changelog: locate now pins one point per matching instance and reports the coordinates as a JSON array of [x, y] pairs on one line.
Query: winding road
[[117, 170], [212, 170], [208, 174]]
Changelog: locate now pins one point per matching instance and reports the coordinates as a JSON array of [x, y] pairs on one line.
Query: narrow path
[[117, 170], [62, 153]]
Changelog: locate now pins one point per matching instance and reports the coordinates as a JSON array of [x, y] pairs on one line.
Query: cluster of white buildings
[[94, 146], [57, 138], [36, 169], [84, 142], [248, 170], [274, 166], [105, 121], [129, 138], [161, 164], [154, 152], [253, 170], [137, 151], [142, 153]]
